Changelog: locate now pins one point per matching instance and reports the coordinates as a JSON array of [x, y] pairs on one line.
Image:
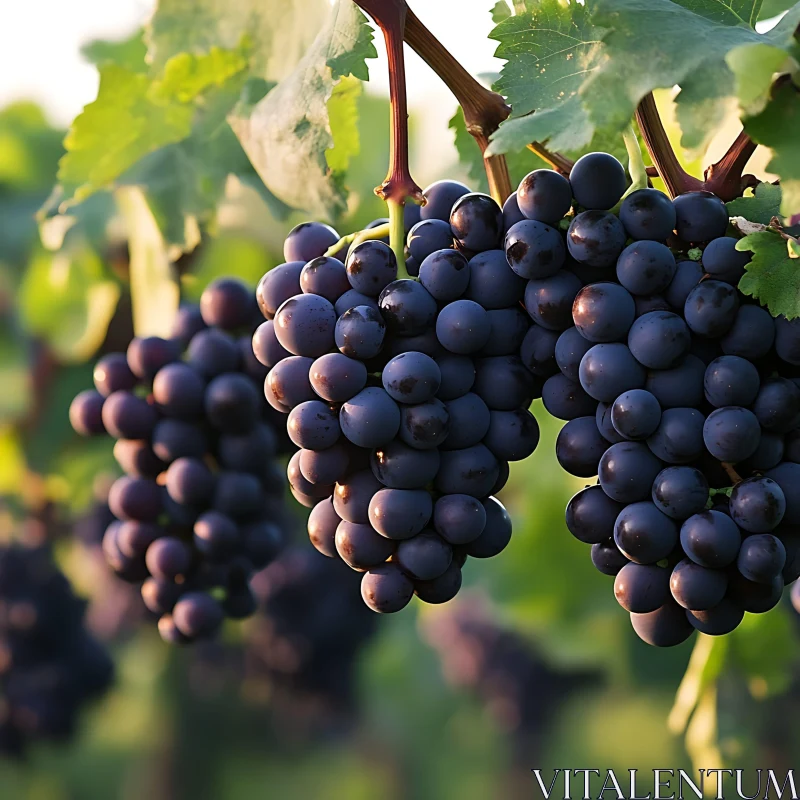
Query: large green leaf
[[279, 31], [288, 135], [550, 49], [760, 204], [777, 127], [129, 53], [773, 274]]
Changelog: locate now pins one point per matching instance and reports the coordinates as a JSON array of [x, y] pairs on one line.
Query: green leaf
[[549, 51], [500, 12], [129, 53], [154, 291], [288, 135], [776, 127], [735, 12], [279, 32], [773, 275], [15, 374], [68, 299], [758, 205], [754, 67], [29, 148]]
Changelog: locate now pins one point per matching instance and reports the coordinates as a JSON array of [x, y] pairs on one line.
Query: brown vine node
[[724, 178]]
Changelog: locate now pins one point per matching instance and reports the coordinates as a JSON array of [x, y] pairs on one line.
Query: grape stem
[[390, 16], [397, 233], [724, 178], [378, 232], [731, 472]]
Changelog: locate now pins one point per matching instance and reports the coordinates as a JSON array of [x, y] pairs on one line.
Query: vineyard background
[[182, 723]]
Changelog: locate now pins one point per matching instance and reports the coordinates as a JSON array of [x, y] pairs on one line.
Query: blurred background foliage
[[457, 702]]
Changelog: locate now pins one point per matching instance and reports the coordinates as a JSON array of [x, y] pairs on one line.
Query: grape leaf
[[754, 67], [500, 11], [549, 49], [287, 135], [735, 12], [279, 32], [773, 275], [776, 127], [759, 205], [129, 53]]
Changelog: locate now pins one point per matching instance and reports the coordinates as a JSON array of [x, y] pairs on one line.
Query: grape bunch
[[311, 626], [407, 397], [674, 386], [51, 666], [200, 507], [519, 689]]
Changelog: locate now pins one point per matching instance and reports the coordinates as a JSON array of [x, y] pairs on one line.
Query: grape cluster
[[51, 667], [200, 507], [407, 397], [309, 631], [674, 386], [519, 689]]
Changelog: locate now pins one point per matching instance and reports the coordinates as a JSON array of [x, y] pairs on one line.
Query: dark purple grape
[[178, 391], [325, 466], [787, 476], [503, 383], [597, 180], [603, 312], [238, 494], [386, 589], [700, 216], [459, 518], [710, 308], [538, 350], [197, 615], [360, 547], [227, 303], [642, 588], [322, 524], [644, 534], [477, 222], [607, 558], [579, 447], [723, 262], [168, 558], [469, 419], [370, 419], [777, 405], [277, 286], [371, 267], [595, 238], [426, 425], [266, 347], [544, 195], [287, 384], [337, 378], [758, 505], [496, 534], [608, 370], [86, 413], [398, 466], [232, 404], [513, 435], [112, 374], [534, 250], [309, 240], [731, 381], [697, 588], [627, 471], [313, 425], [762, 558], [325, 277], [659, 339], [304, 325], [648, 214], [549, 301], [731, 434], [665, 627], [359, 333], [507, 330], [787, 339], [681, 386], [133, 538], [473, 471], [427, 237], [646, 267], [441, 589], [566, 399], [724, 618], [190, 482], [591, 515], [212, 352], [407, 308], [411, 378], [440, 198], [687, 275], [711, 539], [570, 348], [136, 457], [757, 598], [635, 414], [445, 274], [137, 499], [216, 535], [680, 492], [458, 376], [492, 283], [425, 556], [752, 334], [463, 327], [352, 496], [146, 356], [126, 416], [511, 212], [188, 323], [678, 439], [400, 513]]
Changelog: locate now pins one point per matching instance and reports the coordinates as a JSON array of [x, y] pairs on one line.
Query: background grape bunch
[[51, 666], [675, 387], [406, 396], [200, 507]]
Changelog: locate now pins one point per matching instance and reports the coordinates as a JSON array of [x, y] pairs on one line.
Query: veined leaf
[[758, 205], [772, 275], [288, 136]]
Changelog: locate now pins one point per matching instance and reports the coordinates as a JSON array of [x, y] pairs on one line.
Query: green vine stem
[[378, 232], [397, 232]]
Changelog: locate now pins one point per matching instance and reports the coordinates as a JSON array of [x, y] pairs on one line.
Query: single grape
[[723, 262], [752, 334], [458, 376], [607, 558], [731, 434], [635, 414], [350, 299], [359, 333], [687, 275], [238, 494], [646, 267], [700, 216], [767, 455], [608, 370], [496, 534], [603, 312], [648, 214], [398, 466], [337, 378], [190, 482], [665, 627], [360, 546], [227, 303], [463, 327], [426, 425], [570, 348], [133, 538], [513, 435], [411, 378], [371, 267], [549, 301], [711, 539], [787, 340], [503, 383], [322, 524], [507, 330], [697, 588], [216, 535], [757, 598], [627, 471], [407, 308], [277, 286], [325, 277], [681, 386], [288, 383], [459, 518], [538, 350], [644, 534], [678, 439], [440, 198], [641, 588], [136, 457], [710, 308], [168, 558], [146, 356], [188, 322], [511, 212], [758, 505], [352, 496], [544, 195], [534, 250], [445, 274], [174, 438], [178, 391], [492, 283], [441, 589], [313, 425], [400, 513], [231, 403], [473, 471], [469, 419], [476, 221], [425, 556], [325, 466], [731, 381], [605, 425], [591, 514], [777, 405], [124, 416], [112, 374], [787, 476], [597, 180], [427, 237], [308, 240], [659, 339], [86, 413], [680, 492], [724, 618], [595, 238], [212, 352], [566, 399], [580, 446], [386, 589], [370, 419], [762, 558], [304, 325], [197, 615]]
